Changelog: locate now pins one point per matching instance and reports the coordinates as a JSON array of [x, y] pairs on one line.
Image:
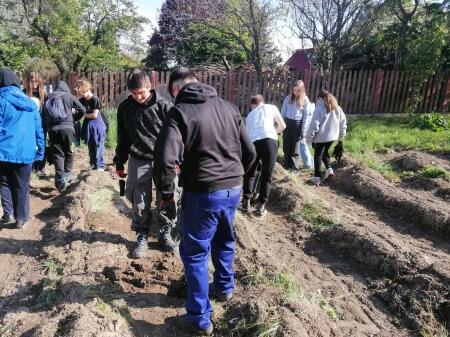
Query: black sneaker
[[190, 327], [245, 206], [221, 297], [261, 210], [8, 219], [20, 224], [168, 244], [141, 248]]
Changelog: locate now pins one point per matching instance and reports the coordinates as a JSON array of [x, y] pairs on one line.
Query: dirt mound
[[372, 186], [415, 161]]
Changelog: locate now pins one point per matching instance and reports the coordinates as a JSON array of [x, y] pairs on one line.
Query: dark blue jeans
[[14, 185], [96, 153], [207, 226]]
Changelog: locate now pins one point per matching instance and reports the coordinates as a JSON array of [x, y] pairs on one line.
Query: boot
[[8, 219], [165, 239], [245, 206], [261, 210], [141, 247]]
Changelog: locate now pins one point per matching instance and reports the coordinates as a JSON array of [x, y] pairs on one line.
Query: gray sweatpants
[[138, 191]]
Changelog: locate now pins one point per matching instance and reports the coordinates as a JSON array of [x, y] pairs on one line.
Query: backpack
[[56, 111]]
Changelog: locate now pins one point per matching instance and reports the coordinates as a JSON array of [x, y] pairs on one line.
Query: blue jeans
[[96, 153], [306, 155], [14, 186], [207, 226]]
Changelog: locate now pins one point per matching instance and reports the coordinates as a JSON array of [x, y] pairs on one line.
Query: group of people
[[198, 142]]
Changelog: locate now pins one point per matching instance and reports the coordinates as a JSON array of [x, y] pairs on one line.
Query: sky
[[282, 38]]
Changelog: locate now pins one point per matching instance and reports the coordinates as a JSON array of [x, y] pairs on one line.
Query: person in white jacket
[[327, 125]]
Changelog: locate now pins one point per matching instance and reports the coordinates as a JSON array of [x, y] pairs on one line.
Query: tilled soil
[[338, 260]]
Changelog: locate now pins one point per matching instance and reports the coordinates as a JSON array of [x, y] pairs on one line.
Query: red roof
[[300, 60]]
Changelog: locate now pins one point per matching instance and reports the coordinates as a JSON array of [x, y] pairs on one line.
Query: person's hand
[[313, 145], [168, 209], [120, 170]]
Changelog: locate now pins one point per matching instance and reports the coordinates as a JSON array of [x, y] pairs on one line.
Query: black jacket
[[70, 102], [138, 126], [206, 137]]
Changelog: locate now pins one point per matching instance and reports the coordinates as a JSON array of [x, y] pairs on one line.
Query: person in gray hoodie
[[328, 124], [60, 112]]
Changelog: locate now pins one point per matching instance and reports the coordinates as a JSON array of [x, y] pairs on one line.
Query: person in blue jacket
[[21, 144]]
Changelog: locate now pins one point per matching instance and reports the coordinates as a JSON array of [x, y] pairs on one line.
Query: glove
[[120, 171], [168, 209], [313, 145]]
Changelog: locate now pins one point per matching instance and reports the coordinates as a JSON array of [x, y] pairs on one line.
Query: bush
[[111, 137], [429, 121]]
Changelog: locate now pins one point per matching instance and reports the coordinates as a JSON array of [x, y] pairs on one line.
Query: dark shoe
[[20, 224], [167, 243], [246, 206], [141, 247], [221, 297], [8, 219], [190, 327], [261, 210]]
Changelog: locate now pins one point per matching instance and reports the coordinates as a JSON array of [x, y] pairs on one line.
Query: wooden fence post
[[154, 79], [229, 86], [73, 77], [446, 97], [378, 86]]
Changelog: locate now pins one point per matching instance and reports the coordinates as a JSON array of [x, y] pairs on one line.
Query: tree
[[331, 26], [88, 29]]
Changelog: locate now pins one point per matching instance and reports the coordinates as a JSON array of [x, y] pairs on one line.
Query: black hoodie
[[8, 78], [70, 102], [206, 137]]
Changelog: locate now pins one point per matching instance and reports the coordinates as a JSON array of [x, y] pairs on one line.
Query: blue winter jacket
[[21, 135]]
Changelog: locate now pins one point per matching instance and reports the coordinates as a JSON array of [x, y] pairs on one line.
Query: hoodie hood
[[14, 96], [61, 86], [8, 78], [195, 92]]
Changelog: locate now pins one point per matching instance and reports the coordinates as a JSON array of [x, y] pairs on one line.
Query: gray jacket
[[326, 126]]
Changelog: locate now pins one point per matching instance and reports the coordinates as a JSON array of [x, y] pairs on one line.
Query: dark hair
[[138, 79], [180, 73], [329, 99], [255, 100]]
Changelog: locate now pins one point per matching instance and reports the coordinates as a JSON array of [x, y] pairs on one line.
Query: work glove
[[120, 170], [168, 209]]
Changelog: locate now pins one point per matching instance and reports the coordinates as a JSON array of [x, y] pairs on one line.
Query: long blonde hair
[[301, 99], [330, 101], [29, 89]]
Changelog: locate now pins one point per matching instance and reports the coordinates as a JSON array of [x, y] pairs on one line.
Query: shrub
[[429, 121]]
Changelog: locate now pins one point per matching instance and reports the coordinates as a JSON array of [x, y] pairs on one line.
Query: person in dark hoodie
[[60, 111], [205, 137], [21, 144], [139, 120]]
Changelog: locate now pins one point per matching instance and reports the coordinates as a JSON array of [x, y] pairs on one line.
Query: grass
[[368, 137], [313, 213], [8, 330], [100, 199], [259, 329], [292, 291], [111, 137], [53, 267], [47, 297], [435, 172]]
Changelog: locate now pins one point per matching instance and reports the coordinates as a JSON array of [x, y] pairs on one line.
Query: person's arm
[[280, 125], [123, 142], [315, 124], [96, 106], [39, 134], [284, 108], [169, 151], [342, 125], [247, 148], [306, 118], [80, 110]]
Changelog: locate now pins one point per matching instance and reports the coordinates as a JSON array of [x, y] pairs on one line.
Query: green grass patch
[[435, 172], [53, 267], [100, 199], [47, 297], [111, 137], [272, 328], [313, 213]]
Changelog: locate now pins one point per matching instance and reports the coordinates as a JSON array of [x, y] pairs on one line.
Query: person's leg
[[201, 214], [222, 247], [286, 144], [318, 153], [92, 148], [5, 191], [77, 134], [20, 191], [305, 154], [99, 154], [249, 177], [57, 154], [295, 144], [269, 150], [326, 156], [166, 226], [68, 137]]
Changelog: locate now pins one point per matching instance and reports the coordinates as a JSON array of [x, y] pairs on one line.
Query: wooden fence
[[358, 91]]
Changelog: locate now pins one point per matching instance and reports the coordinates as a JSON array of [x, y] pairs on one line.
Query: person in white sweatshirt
[[328, 124]]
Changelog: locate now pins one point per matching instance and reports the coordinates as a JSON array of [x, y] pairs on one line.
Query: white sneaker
[[329, 173], [100, 169], [315, 180]]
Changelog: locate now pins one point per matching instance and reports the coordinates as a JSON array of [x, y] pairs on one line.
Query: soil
[[357, 256]]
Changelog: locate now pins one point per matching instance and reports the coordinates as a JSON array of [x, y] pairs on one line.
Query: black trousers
[[291, 143], [14, 186], [266, 152], [321, 154], [61, 152]]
